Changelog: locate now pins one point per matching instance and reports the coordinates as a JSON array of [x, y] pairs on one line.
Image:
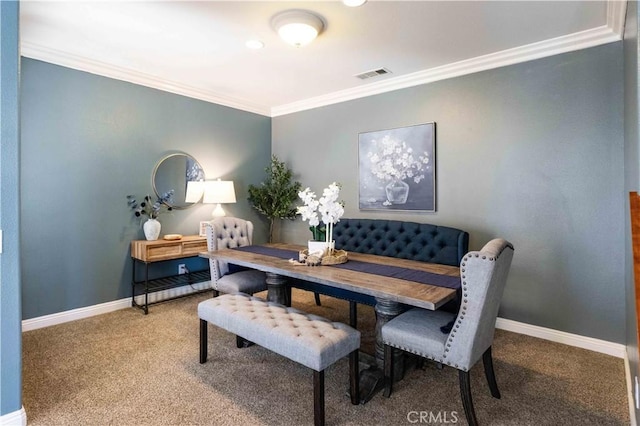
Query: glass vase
[[397, 192]]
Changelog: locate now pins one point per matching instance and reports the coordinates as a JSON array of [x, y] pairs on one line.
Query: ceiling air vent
[[373, 73]]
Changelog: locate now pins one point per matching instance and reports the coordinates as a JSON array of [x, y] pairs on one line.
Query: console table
[[150, 252]]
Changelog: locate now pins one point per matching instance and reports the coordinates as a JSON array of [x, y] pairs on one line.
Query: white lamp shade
[[297, 27], [195, 189], [219, 191]]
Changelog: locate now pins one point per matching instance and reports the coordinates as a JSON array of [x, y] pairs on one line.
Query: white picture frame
[[203, 228]]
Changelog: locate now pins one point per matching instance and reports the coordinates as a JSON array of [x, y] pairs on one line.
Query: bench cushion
[[247, 281], [310, 340]]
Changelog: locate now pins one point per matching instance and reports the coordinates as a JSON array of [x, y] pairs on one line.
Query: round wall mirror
[[174, 172]]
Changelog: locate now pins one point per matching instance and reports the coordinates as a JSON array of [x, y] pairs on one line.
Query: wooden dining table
[[392, 294]]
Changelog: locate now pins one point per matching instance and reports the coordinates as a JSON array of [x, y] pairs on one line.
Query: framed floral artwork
[[396, 169]]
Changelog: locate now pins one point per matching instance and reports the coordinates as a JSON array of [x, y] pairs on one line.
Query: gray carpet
[[125, 368]]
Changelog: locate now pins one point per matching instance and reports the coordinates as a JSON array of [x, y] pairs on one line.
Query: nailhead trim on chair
[[492, 279], [215, 240], [420, 354], [463, 306], [462, 312]]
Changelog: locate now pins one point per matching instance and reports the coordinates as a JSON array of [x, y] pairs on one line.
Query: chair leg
[[353, 315], [465, 394], [287, 296], [318, 398], [241, 342], [203, 341], [487, 360], [388, 370], [354, 377], [317, 296]]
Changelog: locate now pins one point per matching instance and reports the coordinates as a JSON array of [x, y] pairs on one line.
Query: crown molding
[[611, 32], [77, 62], [555, 46], [616, 14]]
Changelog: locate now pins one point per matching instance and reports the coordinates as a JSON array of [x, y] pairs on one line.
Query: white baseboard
[[630, 393], [614, 349], [103, 308], [597, 345], [16, 418], [74, 314]]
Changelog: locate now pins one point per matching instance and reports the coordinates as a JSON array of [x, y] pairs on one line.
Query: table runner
[[390, 271]]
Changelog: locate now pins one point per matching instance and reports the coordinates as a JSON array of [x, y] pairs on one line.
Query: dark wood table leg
[[372, 378], [277, 289]]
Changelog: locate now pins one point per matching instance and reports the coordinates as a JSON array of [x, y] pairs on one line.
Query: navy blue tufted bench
[[393, 238]]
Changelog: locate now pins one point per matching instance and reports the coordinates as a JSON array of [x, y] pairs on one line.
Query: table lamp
[[195, 189], [219, 192]]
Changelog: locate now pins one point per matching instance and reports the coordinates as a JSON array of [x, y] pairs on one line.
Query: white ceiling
[[198, 48]]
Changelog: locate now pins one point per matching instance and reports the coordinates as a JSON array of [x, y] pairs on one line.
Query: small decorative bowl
[[172, 236]]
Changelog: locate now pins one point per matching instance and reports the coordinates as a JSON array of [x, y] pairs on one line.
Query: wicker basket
[[335, 257]]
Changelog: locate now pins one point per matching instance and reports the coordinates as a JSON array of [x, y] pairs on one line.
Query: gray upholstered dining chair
[[425, 333], [230, 232]]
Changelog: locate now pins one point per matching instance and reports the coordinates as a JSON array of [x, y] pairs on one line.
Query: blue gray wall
[[531, 152], [10, 329], [632, 177], [87, 142]]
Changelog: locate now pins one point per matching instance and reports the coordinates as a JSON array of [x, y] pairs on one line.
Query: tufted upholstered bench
[[393, 238], [310, 340]]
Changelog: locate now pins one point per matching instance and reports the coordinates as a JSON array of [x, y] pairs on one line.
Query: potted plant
[[152, 210], [275, 196], [327, 208]]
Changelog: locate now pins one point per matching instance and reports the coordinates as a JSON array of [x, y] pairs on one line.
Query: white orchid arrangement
[[393, 159], [327, 208]]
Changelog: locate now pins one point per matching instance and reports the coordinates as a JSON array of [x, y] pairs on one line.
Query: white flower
[[392, 159], [327, 207]]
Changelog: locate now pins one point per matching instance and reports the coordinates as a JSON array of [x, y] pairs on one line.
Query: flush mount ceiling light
[[354, 3], [297, 27]]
